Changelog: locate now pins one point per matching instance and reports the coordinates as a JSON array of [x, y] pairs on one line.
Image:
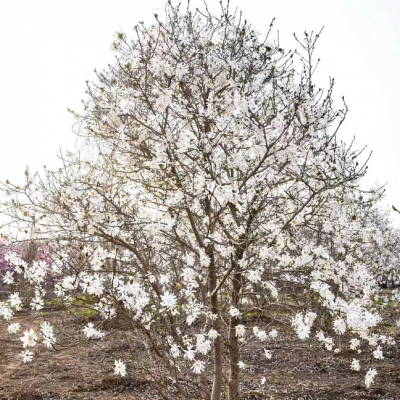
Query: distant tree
[[384, 248], [209, 186], [4, 249]]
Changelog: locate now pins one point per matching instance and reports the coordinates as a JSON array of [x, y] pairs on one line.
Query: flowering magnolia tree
[[26, 250], [385, 249], [209, 188]]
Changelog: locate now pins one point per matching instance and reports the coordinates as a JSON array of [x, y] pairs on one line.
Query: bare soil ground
[[297, 371]]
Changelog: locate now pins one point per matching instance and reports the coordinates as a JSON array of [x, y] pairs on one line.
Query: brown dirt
[[297, 371]]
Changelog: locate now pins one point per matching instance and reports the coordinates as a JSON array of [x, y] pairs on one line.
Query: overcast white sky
[[50, 48]]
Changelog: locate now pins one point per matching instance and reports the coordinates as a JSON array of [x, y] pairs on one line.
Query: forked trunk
[[233, 389]]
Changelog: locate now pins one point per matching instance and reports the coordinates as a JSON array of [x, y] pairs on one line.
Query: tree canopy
[[210, 203]]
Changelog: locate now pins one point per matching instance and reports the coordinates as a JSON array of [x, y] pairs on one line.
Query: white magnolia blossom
[[91, 332], [213, 334], [168, 300], [190, 353], [120, 368], [369, 377], [339, 325], [268, 354], [354, 344], [8, 278], [29, 339], [27, 356], [234, 312], [242, 365], [48, 334], [240, 330], [273, 333], [14, 327], [355, 365], [302, 325], [198, 367], [377, 353], [175, 351], [263, 336]]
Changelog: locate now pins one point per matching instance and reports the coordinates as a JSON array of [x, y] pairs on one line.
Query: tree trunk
[[233, 389], [217, 381], [217, 378]]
